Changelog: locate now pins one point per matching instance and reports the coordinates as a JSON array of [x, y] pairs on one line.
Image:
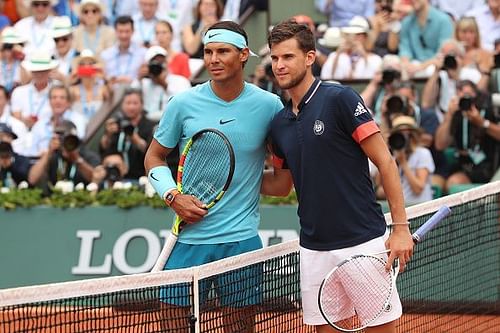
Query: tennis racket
[[359, 289], [205, 170]]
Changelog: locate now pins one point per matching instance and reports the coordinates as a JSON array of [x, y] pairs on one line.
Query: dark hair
[[220, 10], [291, 29], [124, 19], [165, 23], [63, 88], [229, 25], [464, 83], [133, 91]]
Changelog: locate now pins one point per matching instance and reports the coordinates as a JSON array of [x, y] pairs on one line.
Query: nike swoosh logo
[[213, 35], [222, 122], [152, 176]]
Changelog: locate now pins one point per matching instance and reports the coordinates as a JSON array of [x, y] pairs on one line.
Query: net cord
[[64, 290], [450, 201]]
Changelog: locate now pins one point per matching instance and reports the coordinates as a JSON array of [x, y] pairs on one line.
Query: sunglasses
[[93, 11], [7, 46], [422, 41], [40, 4], [61, 39]]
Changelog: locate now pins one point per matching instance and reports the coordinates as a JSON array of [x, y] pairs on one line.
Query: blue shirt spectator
[[4, 21], [122, 60], [423, 42], [340, 12]]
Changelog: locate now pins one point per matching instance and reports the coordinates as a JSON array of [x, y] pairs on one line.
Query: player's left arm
[[400, 241]]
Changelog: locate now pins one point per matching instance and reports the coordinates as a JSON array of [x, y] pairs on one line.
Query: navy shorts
[[238, 288]]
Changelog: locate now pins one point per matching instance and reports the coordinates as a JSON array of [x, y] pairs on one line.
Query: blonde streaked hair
[[468, 23]]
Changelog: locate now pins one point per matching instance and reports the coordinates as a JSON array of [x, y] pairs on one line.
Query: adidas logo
[[360, 109]]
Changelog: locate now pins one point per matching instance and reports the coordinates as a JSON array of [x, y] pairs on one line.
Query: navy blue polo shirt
[[321, 147]]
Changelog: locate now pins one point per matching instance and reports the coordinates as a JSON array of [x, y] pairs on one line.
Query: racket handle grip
[[165, 253], [419, 235]]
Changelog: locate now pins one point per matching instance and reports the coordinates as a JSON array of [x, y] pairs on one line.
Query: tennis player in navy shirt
[[322, 139]]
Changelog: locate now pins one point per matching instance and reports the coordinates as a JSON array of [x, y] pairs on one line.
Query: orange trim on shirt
[[365, 130], [278, 162]]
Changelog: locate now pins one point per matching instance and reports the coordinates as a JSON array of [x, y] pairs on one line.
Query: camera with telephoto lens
[[465, 103], [155, 68], [112, 173], [70, 141], [127, 127], [450, 62], [396, 104], [496, 60], [398, 141], [389, 75], [6, 149]]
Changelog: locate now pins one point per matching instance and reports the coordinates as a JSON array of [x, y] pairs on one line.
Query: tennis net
[[451, 285]]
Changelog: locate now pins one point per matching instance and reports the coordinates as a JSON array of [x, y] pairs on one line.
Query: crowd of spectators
[[431, 67]]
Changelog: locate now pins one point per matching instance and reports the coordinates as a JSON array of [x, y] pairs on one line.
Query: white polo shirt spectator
[[488, 23], [123, 60], [179, 13], [145, 21], [29, 102], [155, 96], [10, 67], [65, 54], [36, 29]]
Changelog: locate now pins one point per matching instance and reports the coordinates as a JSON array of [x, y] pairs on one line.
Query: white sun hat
[[39, 60], [61, 26], [331, 38], [10, 36], [153, 51], [357, 25]]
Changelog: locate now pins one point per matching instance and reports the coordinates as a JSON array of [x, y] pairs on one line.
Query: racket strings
[[356, 293], [206, 168]]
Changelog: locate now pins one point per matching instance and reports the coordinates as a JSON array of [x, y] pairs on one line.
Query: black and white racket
[[205, 170], [359, 289]]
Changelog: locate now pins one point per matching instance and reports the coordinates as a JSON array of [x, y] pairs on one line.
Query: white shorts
[[315, 265]]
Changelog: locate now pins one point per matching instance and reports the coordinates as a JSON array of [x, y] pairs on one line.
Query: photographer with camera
[[65, 159], [60, 110], [415, 163], [112, 169], [384, 83], [14, 168], [441, 85], [467, 126], [157, 84], [129, 133]]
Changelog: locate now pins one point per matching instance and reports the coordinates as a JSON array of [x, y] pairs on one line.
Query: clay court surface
[[40, 320]]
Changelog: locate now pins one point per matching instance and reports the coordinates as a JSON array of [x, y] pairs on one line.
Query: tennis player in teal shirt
[[243, 112]]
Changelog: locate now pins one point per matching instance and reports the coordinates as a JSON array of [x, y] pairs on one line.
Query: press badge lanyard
[[95, 44], [149, 36], [40, 106], [37, 42], [61, 170], [173, 12], [9, 74], [123, 146], [88, 111], [123, 69]]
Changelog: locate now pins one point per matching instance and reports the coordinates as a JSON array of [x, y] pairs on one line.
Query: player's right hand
[[189, 208]]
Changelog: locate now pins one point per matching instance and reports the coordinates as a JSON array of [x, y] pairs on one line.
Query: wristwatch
[[170, 197], [486, 124]]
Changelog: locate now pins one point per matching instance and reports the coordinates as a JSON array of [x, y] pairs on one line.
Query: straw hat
[[95, 3], [404, 122], [87, 54], [61, 26], [357, 25], [331, 38], [39, 60], [154, 51], [10, 36]]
